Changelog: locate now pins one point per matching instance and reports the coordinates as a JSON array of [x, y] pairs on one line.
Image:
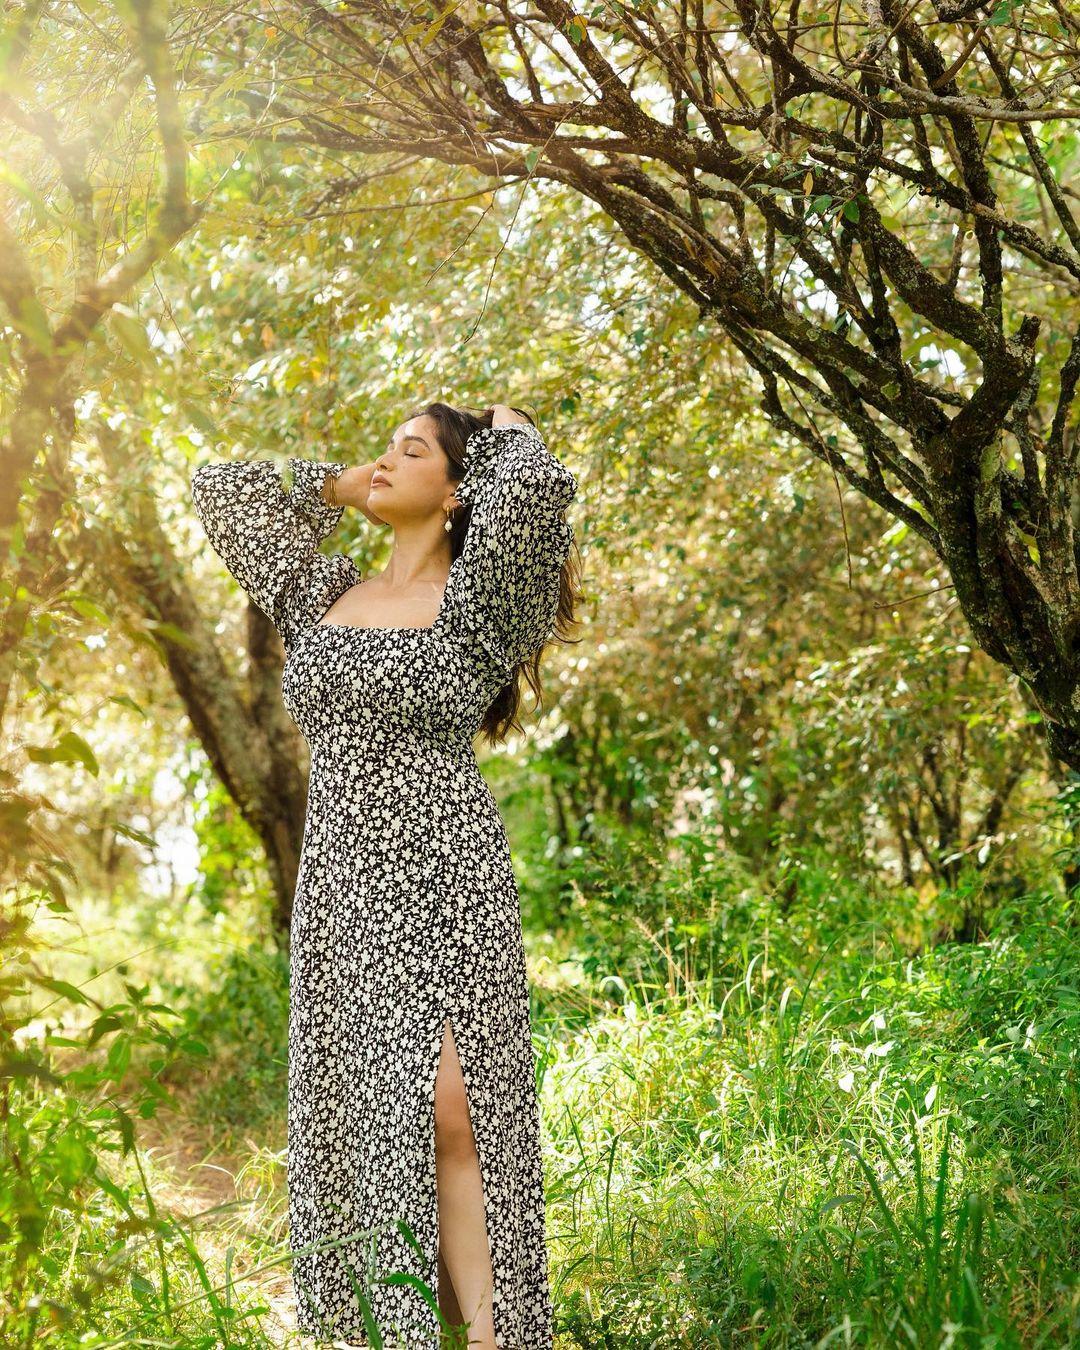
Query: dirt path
[[188, 1178]]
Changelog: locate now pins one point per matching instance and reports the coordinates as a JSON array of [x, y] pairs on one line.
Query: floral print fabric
[[406, 914]]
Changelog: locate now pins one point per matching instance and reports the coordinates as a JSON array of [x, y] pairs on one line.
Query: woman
[[413, 1122]]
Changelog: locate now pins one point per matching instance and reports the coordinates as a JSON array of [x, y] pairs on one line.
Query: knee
[[453, 1129]]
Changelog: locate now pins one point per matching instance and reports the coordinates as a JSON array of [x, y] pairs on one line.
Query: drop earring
[[449, 521]]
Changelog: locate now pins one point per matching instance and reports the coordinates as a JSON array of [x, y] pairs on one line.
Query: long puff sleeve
[[505, 589], [267, 536]]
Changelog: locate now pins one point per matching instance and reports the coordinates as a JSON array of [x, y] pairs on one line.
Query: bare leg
[[448, 1304], [463, 1232]]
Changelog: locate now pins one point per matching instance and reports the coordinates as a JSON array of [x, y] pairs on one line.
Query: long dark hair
[[455, 426]]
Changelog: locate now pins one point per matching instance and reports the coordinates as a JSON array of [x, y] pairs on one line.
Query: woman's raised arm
[[268, 537], [506, 585]]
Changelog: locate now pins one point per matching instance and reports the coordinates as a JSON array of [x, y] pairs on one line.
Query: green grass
[[863, 1149], [759, 1130]]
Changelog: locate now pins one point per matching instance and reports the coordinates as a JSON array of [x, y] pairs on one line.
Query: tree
[[68, 250], [872, 203]]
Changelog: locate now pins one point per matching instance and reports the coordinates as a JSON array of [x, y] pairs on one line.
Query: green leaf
[[103, 1024], [131, 331], [44, 214], [88, 609], [198, 416], [63, 988], [33, 323], [126, 701], [69, 749], [1005, 11]]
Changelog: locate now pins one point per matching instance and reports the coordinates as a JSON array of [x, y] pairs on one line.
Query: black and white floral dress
[[406, 912]]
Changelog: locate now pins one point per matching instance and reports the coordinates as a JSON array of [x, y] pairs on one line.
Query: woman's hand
[[352, 488], [502, 415]]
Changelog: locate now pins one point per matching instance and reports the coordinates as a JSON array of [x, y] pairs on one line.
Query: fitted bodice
[[339, 680], [390, 715]]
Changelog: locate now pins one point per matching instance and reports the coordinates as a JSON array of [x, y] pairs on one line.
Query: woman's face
[[411, 479]]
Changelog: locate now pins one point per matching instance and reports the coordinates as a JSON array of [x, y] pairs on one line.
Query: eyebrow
[[424, 443]]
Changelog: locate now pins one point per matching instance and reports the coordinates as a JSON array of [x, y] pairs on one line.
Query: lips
[[378, 481]]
